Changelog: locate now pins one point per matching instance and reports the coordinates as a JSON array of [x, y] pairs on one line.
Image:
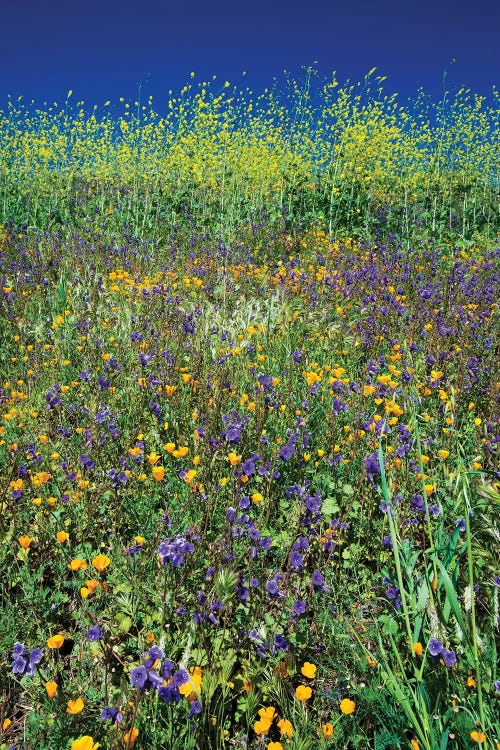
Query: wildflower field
[[249, 421]]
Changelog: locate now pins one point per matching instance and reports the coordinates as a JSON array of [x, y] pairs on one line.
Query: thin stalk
[[475, 651], [395, 548]]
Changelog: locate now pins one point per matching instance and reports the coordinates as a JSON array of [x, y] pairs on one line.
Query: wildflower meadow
[[249, 420]]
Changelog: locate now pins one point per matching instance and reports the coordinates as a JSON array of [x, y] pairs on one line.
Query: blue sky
[[102, 49]]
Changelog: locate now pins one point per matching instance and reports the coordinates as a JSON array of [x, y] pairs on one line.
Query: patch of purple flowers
[[436, 648], [23, 663]]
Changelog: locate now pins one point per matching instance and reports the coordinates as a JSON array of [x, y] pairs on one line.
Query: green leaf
[[329, 506], [451, 597], [389, 624], [124, 622]]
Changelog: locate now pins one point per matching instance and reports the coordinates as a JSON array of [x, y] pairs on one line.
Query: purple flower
[[19, 665], [248, 467], [154, 679], [168, 668], [23, 664], [435, 647], [138, 677], [313, 503], [111, 713], [174, 551], [169, 694], [372, 465], [318, 580], [299, 607], [94, 633], [155, 652], [195, 708], [235, 424], [180, 678], [296, 561], [280, 642], [496, 685], [417, 503], [272, 587], [18, 649], [35, 657], [449, 657], [86, 462], [392, 592], [287, 451]]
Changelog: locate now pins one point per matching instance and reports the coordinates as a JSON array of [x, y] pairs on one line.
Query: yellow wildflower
[[479, 737], [158, 473], [347, 706], [84, 743], [55, 641], [100, 562], [75, 707], [303, 693], [51, 688], [25, 541], [285, 727], [308, 670]]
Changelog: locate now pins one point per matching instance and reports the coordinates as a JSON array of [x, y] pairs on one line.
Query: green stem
[[395, 548], [427, 514], [473, 608]]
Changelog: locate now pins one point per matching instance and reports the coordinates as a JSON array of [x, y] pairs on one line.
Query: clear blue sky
[[103, 48]]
